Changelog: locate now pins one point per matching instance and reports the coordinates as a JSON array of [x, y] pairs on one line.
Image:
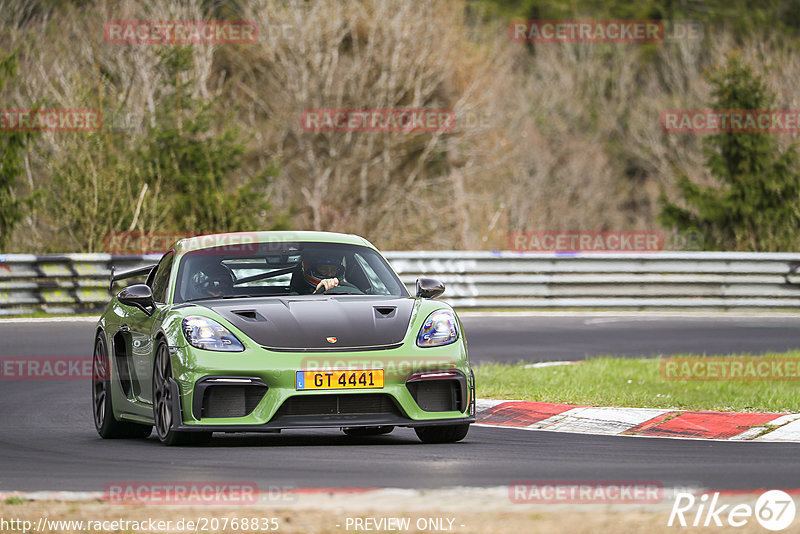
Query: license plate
[[366, 379]]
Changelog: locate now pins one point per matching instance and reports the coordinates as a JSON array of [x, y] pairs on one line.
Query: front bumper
[[194, 369], [287, 422]]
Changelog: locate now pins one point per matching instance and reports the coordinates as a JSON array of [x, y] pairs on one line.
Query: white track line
[[655, 314], [64, 319]]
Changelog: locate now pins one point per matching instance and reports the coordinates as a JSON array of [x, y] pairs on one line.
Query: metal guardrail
[[67, 283], [660, 280], [505, 280]]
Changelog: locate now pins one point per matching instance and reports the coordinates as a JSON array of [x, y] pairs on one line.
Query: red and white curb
[[648, 422]]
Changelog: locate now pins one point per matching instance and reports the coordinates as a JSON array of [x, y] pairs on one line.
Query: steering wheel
[[343, 289]]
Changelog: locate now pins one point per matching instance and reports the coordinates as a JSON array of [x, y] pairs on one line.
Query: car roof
[[239, 238]]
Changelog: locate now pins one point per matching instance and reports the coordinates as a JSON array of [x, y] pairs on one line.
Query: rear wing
[[131, 273]]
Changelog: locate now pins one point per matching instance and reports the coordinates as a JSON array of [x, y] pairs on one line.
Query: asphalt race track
[[48, 441], [513, 338], [537, 338]]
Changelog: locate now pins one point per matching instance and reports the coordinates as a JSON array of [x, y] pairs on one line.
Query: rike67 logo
[[774, 510]]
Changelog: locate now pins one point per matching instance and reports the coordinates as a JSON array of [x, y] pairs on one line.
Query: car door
[[144, 327]]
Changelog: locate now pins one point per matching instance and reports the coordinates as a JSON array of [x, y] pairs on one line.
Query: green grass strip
[[635, 382]]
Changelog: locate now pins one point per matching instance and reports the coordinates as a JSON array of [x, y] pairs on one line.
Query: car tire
[[162, 404], [102, 404], [442, 434], [363, 431]]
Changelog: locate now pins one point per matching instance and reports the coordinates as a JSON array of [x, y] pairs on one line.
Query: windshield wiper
[[221, 298]]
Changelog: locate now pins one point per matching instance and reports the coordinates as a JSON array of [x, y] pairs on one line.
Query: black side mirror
[[140, 296], [429, 288]]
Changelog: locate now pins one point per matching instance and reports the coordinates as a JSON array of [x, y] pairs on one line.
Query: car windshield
[[279, 269]]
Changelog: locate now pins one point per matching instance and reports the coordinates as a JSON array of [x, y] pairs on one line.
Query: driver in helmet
[[213, 280], [323, 272]]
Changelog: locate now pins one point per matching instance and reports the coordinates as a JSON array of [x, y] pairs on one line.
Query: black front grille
[[437, 395], [367, 403], [231, 400]]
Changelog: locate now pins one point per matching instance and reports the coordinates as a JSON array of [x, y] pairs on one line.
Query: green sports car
[[266, 331]]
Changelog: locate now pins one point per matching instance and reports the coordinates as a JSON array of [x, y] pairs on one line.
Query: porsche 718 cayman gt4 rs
[[265, 331]]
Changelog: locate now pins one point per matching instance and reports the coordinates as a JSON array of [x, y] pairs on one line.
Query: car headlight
[[205, 333], [440, 328]]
